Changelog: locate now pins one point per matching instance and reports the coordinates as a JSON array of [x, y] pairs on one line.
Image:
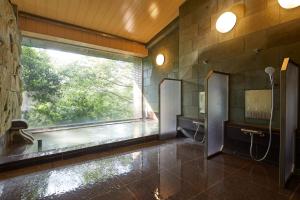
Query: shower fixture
[[270, 71], [198, 124]]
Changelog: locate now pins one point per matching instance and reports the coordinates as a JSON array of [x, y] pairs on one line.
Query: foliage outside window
[[65, 88]]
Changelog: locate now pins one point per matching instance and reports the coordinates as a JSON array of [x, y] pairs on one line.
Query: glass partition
[[289, 102], [217, 101], [169, 107]]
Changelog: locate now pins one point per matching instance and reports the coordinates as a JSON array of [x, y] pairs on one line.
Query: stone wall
[[10, 94], [264, 34], [154, 74]]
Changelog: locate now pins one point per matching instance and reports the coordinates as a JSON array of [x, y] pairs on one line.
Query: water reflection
[[159, 172], [67, 179], [176, 170]]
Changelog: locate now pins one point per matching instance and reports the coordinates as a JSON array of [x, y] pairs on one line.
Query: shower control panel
[[251, 132]]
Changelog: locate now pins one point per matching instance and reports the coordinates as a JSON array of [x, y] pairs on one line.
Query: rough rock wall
[[10, 81]]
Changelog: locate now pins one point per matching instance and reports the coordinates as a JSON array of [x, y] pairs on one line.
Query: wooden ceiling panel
[[137, 20]]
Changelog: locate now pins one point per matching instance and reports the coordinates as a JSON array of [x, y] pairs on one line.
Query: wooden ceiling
[[137, 20]]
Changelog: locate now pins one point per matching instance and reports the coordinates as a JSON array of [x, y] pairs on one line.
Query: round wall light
[[226, 22], [160, 59], [289, 4]]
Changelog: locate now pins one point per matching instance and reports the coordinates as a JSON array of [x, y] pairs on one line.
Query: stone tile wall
[[264, 34], [10, 82], [154, 74]]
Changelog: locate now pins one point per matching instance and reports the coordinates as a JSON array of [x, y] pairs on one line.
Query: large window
[[68, 88]]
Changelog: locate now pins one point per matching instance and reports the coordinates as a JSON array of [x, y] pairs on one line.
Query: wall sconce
[[226, 22], [289, 4], [160, 59]]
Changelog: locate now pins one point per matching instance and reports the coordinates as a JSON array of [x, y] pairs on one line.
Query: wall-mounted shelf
[[252, 126]]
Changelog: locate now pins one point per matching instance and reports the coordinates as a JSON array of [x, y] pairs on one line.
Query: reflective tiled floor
[[173, 169]]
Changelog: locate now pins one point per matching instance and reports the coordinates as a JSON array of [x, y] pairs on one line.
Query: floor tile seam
[[231, 175], [179, 178], [175, 174], [265, 189], [160, 166], [191, 184], [213, 195], [243, 166], [294, 192], [194, 159], [239, 169], [172, 173], [105, 193], [208, 188], [132, 193], [123, 184], [202, 192], [144, 177], [183, 163], [259, 185], [135, 179], [277, 190], [217, 168], [271, 190]]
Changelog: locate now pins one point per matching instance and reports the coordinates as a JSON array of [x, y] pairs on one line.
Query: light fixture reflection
[[160, 59], [289, 4], [226, 22], [153, 11]]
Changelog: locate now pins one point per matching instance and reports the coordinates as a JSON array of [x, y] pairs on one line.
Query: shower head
[[270, 71]]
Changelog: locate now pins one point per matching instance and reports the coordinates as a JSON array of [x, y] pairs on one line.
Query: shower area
[[266, 132], [274, 142]]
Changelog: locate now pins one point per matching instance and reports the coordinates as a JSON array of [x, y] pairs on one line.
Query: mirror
[[202, 102], [258, 104]]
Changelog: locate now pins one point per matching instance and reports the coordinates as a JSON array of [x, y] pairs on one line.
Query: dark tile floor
[[174, 169]]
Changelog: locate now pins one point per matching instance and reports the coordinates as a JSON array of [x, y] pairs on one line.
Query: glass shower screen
[[217, 92]]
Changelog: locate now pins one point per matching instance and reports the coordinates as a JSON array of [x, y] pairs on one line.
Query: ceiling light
[[160, 59], [289, 4], [226, 22]]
